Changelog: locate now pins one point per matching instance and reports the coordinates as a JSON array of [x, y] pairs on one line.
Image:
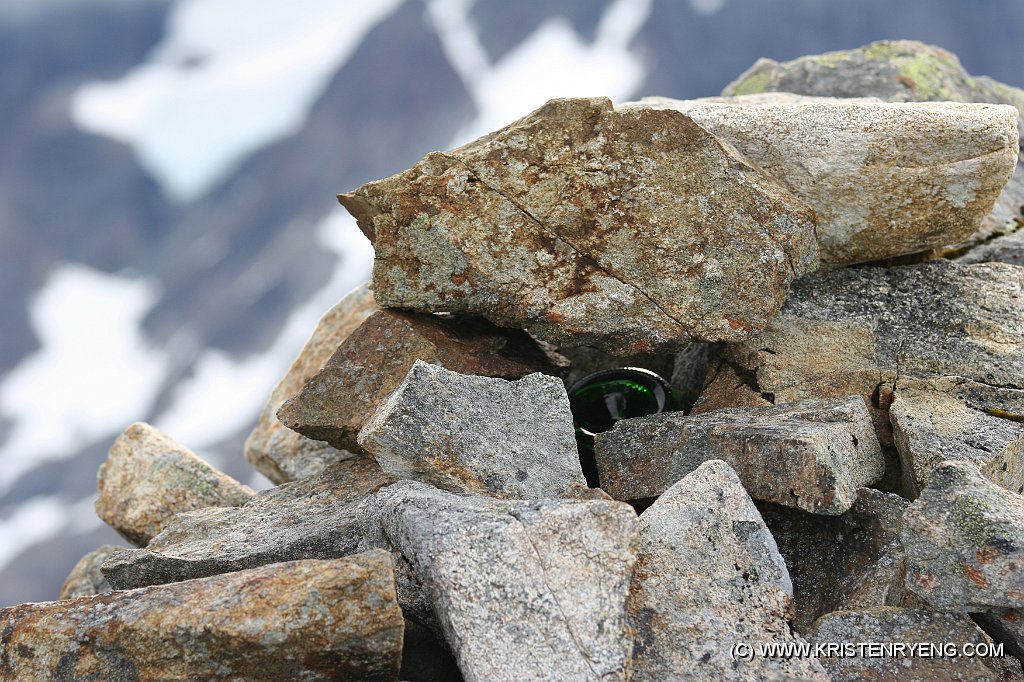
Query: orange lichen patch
[[986, 554], [975, 576], [739, 325]]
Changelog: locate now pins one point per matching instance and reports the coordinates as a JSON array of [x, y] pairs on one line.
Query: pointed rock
[[627, 230], [708, 575], [478, 435], [886, 179], [85, 578], [812, 455], [276, 451], [375, 358], [309, 620], [964, 538], [148, 478], [309, 519], [516, 595]]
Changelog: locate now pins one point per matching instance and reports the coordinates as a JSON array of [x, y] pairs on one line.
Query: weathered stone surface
[[309, 519], [896, 71], [853, 331], [964, 538], [931, 426], [276, 451], [690, 372], [886, 179], [627, 230], [478, 435], [940, 632], [812, 455], [846, 562], [709, 575], [309, 620], [522, 590], [85, 578], [1008, 248], [148, 478], [1005, 626], [375, 358]]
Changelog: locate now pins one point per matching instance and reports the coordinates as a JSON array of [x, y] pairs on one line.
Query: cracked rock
[[314, 518], [629, 230], [886, 179], [708, 575], [375, 358], [85, 578], [964, 538], [812, 455], [478, 435], [897, 71], [846, 562], [148, 478], [309, 620], [1005, 626], [931, 426], [276, 451], [936, 631], [516, 595]]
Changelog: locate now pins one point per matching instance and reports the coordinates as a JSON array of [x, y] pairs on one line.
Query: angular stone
[[709, 575], [375, 358], [627, 230], [812, 455], [85, 578], [309, 620], [964, 538], [1005, 626], [940, 634], [931, 426], [886, 179], [148, 478], [276, 451], [853, 331], [846, 562], [516, 595], [897, 71], [1008, 248], [478, 435], [690, 372], [309, 519]]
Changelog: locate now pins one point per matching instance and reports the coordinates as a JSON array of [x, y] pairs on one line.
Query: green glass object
[[603, 398]]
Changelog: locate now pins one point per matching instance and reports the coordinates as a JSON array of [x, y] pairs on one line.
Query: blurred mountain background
[[168, 229]]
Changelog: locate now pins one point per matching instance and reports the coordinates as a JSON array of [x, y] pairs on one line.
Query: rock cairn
[[844, 464]]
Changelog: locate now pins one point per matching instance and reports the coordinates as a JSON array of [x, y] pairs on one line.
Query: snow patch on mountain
[[230, 77]]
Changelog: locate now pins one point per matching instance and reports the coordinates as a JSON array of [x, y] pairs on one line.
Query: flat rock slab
[[627, 230], [812, 455], [374, 359], [941, 633], [896, 71], [478, 435], [709, 575], [964, 538], [309, 519], [309, 620], [148, 478], [846, 562], [522, 590], [85, 578], [886, 179], [931, 425], [276, 451]]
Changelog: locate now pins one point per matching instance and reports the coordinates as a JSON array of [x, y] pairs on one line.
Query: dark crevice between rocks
[[749, 379], [961, 251]]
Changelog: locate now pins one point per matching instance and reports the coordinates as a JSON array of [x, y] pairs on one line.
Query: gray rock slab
[[964, 538], [812, 455], [314, 518], [709, 575], [846, 562], [276, 451], [886, 179], [931, 425], [300, 620], [522, 590], [480, 435], [147, 478], [941, 633], [626, 230]]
